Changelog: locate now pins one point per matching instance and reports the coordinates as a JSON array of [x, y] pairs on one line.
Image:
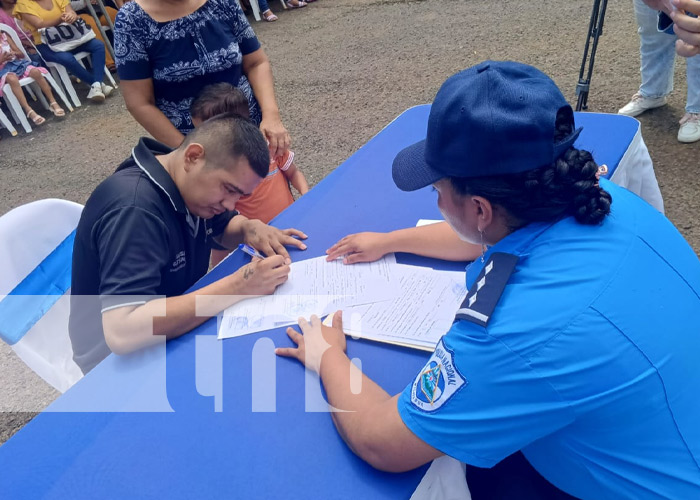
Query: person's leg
[[56, 108], [43, 84], [98, 34], [68, 60], [692, 71], [658, 51], [513, 478], [97, 52], [13, 81]]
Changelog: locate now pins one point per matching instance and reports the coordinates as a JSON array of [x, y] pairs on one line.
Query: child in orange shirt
[[273, 194]]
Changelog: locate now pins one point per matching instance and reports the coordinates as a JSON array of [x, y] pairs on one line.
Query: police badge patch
[[438, 381]]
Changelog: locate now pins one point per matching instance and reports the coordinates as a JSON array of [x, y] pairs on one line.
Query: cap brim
[[410, 171]]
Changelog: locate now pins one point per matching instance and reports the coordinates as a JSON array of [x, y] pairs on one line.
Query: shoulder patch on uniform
[[438, 381], [484, 294]]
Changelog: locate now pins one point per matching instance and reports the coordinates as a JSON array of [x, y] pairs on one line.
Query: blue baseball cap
[[497, 117]]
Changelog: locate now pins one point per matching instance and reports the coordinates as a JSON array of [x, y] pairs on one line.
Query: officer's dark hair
[[219, 98], [228, 136], [569, 186]]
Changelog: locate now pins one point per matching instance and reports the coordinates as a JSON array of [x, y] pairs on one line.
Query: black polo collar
[[144, 156]]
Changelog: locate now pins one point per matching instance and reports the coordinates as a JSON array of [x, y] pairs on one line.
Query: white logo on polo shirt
[[179, 262]]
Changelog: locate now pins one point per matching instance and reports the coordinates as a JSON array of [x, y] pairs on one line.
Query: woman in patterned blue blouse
[[168, 50]]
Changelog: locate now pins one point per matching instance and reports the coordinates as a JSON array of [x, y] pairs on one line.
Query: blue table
[[137, 426]]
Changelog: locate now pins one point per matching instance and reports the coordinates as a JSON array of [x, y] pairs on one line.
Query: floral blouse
[[184, 55]]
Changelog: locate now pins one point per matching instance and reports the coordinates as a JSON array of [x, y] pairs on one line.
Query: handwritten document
[[314, 287], [421, 314]]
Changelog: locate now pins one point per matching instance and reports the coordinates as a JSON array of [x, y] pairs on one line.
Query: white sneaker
[[690, 128], [95, 94], [639, 104], [106, 89]]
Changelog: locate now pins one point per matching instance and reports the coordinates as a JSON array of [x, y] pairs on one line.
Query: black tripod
[[595, 30]]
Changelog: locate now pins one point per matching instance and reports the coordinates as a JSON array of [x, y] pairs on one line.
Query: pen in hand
[[250, 251]]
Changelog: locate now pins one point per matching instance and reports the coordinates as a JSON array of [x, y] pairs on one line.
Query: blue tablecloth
[[152, 425]]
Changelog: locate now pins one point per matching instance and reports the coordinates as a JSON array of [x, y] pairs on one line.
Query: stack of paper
[[314, 287], [421, 314], [383, 301]]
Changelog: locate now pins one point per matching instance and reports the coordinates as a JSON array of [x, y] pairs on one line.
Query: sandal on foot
[[57, 110], [269, 16], [298, 5], [36, 118]]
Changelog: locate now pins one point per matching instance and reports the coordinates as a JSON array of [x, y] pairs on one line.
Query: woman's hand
[[277, 136], [315, 341], [360, 247], [69, 17]]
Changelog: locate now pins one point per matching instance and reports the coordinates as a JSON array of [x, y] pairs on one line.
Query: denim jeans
[[658, 53], [97, 52], [263, 5]]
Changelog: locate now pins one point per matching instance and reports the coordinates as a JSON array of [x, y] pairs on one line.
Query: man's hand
[[270, 240], [277, 136], [316, 339], [686, 27], [262, 277], [360, 247]]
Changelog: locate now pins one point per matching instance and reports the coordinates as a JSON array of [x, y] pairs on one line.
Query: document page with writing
[[314, 287], [421, 314]]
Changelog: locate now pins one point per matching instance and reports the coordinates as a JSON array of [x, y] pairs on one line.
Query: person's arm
[[266, 239], [69, 16], [296, 178], [140, 101], [369, 422], [14, 50], [438, 241], [131, 328], [256, 67], [37, 23]]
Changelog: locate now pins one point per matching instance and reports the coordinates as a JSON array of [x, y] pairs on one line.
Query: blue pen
[[250, 251]]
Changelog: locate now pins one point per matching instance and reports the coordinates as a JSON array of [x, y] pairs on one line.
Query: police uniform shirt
[[580, 346], [135, 241]]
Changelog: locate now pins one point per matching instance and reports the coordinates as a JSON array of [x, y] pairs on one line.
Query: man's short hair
[[217, 99], [229, 136]]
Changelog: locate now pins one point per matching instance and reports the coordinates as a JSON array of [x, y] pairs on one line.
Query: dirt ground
[[343, 70]]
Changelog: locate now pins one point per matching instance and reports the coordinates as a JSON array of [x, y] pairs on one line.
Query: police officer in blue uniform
[[577, 348]]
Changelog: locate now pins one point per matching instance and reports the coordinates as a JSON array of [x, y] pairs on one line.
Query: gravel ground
[[343, 70]]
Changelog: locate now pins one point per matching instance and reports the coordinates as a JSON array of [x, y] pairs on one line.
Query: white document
[[427, 222], [421, 314], [314, 287]]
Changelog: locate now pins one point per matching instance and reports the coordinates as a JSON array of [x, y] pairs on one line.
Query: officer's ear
[[483, 211], [194, 155]]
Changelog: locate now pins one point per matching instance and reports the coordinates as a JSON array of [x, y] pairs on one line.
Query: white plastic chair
[[5, 122], [36, 248], [10, 98]]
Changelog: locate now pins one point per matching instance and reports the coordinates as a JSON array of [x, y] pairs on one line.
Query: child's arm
[[297, 179], [14, 50]]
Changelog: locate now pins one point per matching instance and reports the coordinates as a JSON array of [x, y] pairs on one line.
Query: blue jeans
[[97, 52], [658, 53], [263, 5]]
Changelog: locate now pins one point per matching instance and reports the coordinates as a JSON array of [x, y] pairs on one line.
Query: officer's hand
[[687, 27], [271, 241], [316, 339], [262, 277], [360, 247]]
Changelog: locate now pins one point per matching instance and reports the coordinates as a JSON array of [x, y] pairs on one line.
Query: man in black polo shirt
[[146, 233]]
